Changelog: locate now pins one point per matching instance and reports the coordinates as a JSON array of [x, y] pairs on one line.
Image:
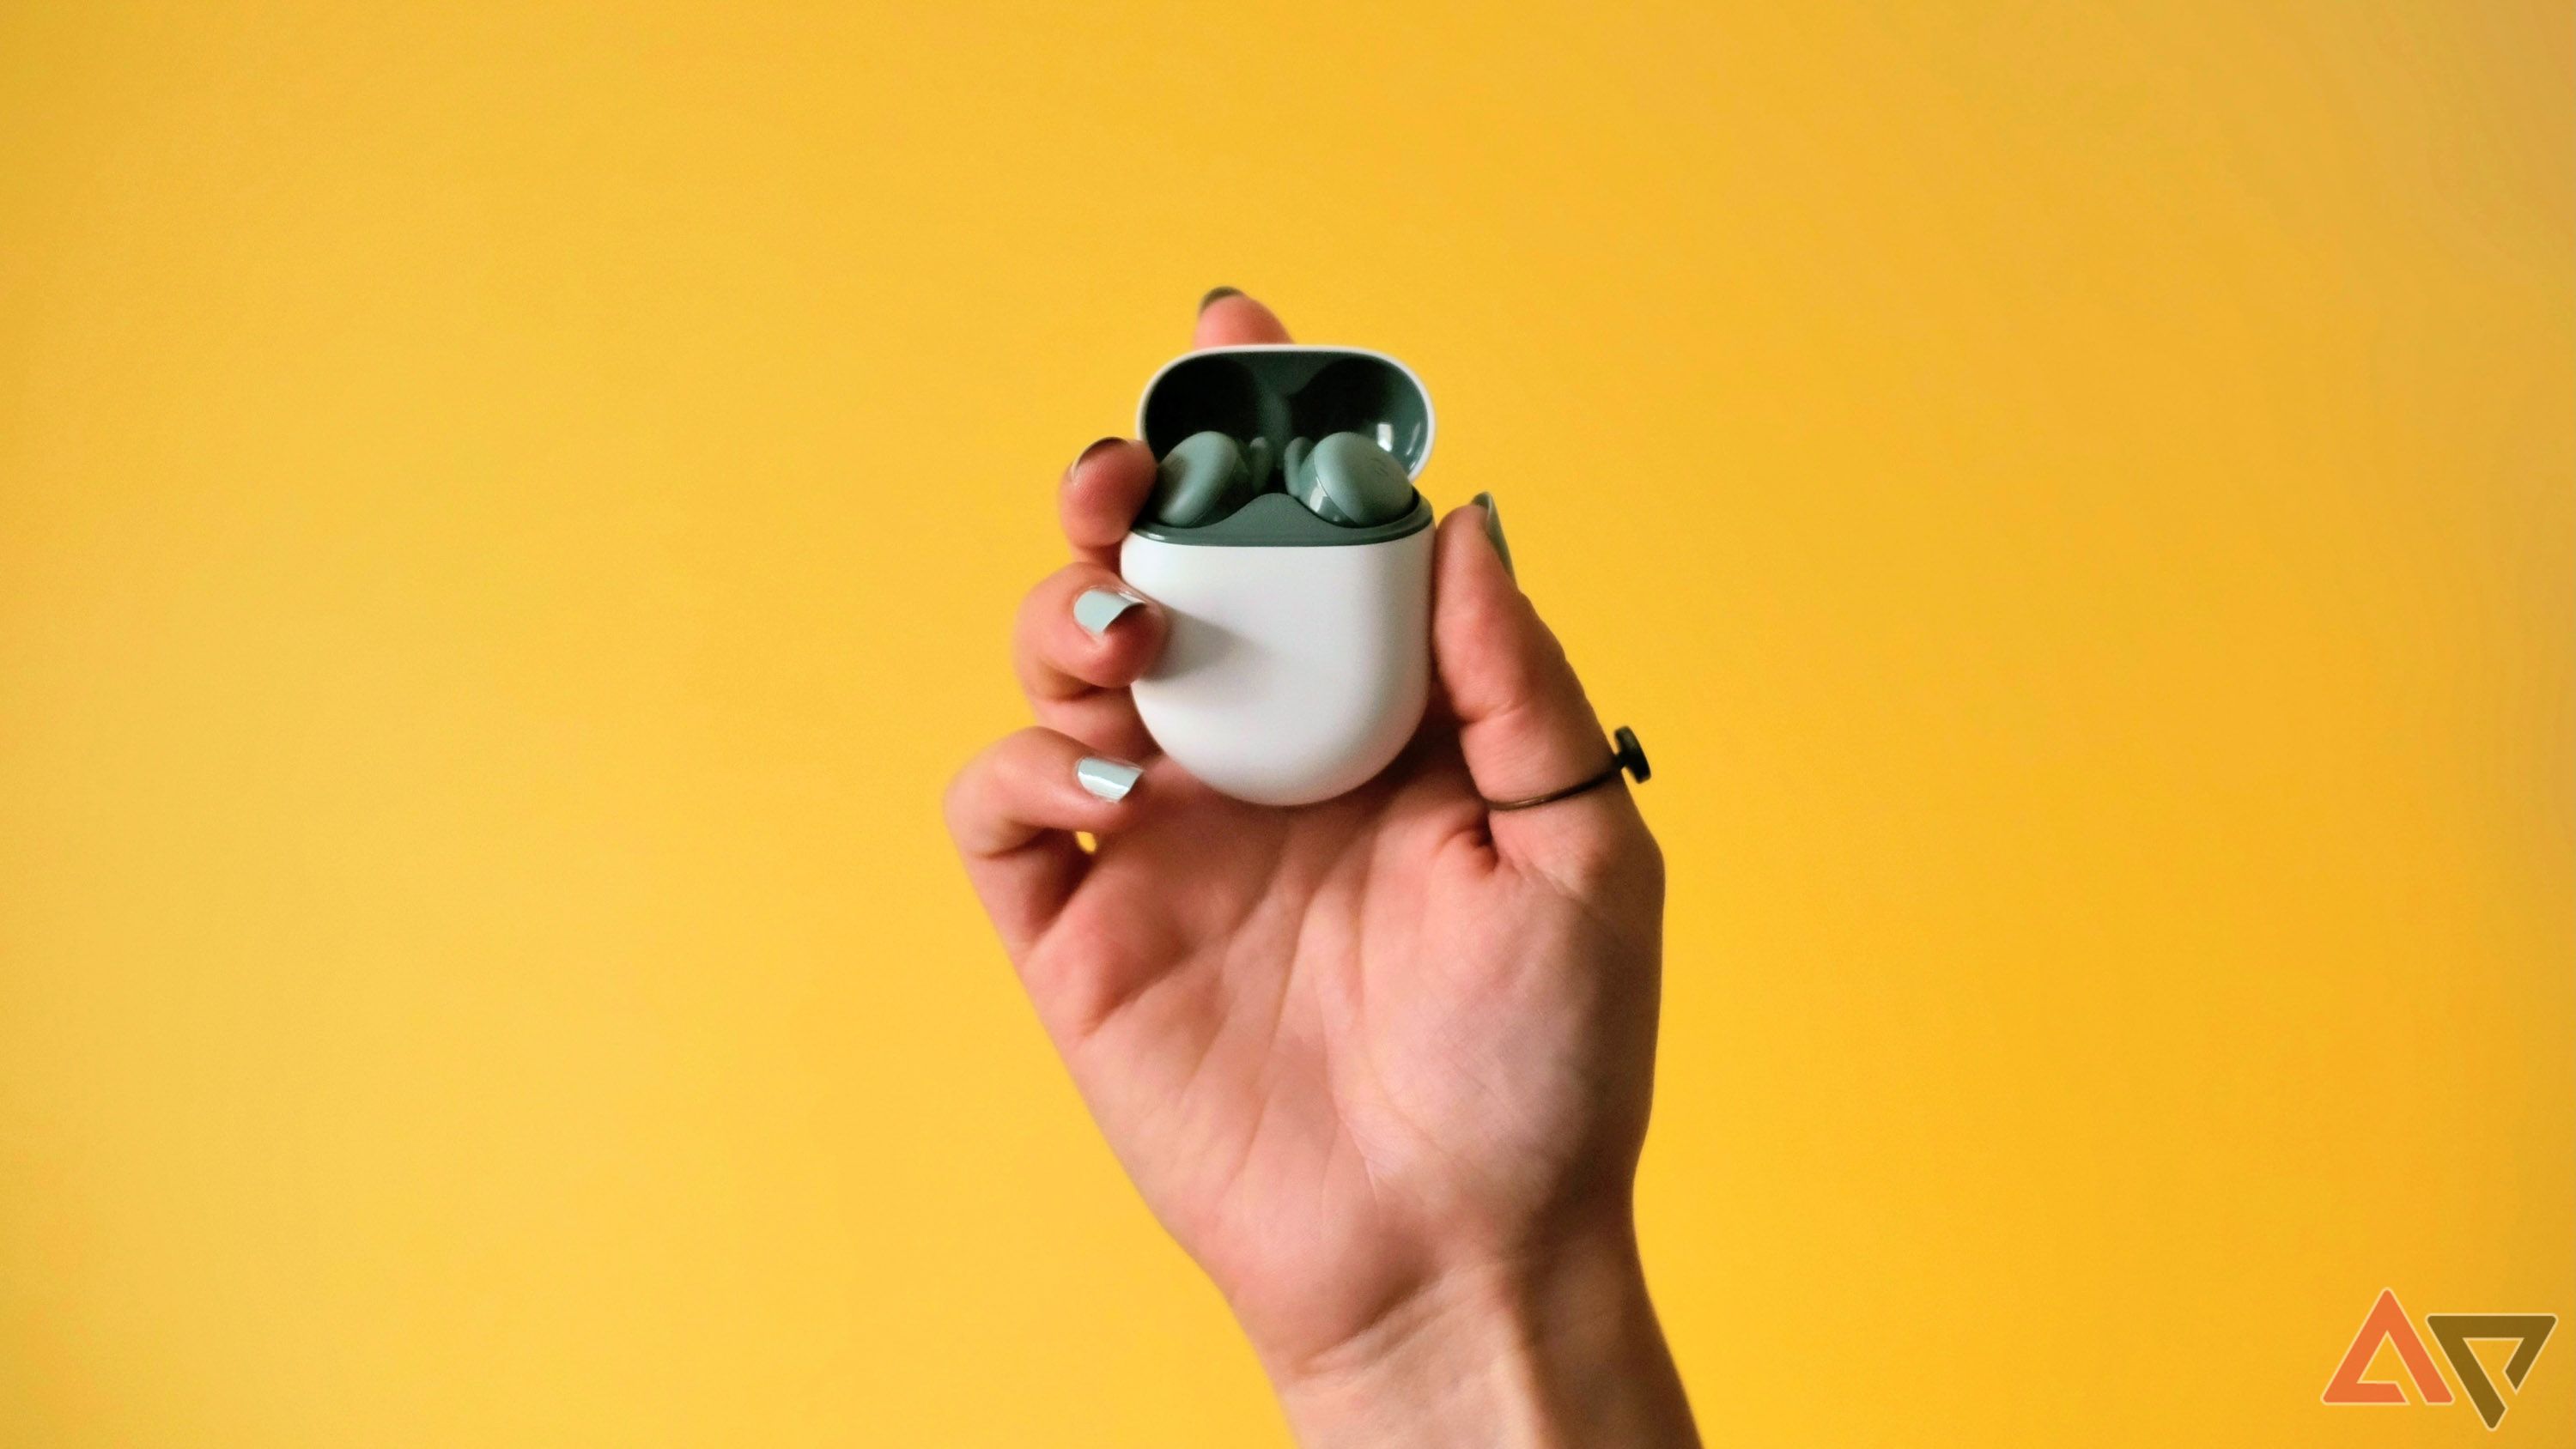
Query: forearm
[[1560, 1352]]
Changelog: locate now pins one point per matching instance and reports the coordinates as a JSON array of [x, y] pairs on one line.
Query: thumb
[[1523, 722]]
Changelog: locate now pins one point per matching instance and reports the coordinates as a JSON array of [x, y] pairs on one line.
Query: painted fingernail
[[1108, 779], [1216, 295], [1085, 455], [1096, 609], [1494, 532]]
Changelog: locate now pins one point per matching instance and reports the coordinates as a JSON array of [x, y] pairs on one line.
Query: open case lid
[[1284, 390], [1280, 391]]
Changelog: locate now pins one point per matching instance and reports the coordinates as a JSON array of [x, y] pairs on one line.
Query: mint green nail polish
[[1108, 779], [1097, 609], [1494, 531]]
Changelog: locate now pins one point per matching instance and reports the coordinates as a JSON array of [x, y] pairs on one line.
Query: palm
[[1331, 1044]]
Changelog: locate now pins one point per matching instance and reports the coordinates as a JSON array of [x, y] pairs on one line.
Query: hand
[[1380, 1065]]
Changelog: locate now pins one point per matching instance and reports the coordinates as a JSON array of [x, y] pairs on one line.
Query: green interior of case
[[1279, 394]]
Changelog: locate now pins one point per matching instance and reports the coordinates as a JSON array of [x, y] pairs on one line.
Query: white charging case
[[1299, 658]]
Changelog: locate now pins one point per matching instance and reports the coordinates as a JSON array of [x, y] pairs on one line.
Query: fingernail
[[1085, 455], [1216, 295], [1096, 609], [1494, 532], [1108, 779]]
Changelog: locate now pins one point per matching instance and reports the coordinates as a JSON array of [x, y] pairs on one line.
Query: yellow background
[[509, 514]]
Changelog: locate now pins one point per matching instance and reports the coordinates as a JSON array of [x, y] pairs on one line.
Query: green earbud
[[1349, 480], [1345, 479], [1205, 477]]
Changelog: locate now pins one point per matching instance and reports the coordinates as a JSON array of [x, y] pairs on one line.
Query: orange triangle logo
[[2386, 1323]]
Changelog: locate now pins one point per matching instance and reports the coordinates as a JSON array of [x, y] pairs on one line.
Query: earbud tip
[[1200, 480], [1350, 480]]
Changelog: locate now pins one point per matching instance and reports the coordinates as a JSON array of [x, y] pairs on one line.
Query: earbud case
[[1299, 659]]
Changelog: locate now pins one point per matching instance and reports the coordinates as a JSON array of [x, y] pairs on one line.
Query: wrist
[[1557, 1347]]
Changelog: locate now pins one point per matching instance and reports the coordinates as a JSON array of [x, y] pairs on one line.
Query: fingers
[[1083, 636], [1013, 811], [1101, 494], [1227, 318], [1108, 483], [1523, 722]]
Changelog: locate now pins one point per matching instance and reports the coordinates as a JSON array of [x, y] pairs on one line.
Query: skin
[[1380, 1065]]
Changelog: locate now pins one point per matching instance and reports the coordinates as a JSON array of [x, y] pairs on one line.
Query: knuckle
[[1622, 861], [956, 797], [1651, 876]]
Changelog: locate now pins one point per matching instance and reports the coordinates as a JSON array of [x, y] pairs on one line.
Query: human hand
[[1381, 1065]]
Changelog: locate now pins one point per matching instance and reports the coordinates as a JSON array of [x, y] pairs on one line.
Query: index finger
[[1107, 485], [1101, 493]]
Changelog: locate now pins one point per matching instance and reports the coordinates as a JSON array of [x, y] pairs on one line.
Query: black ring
[[1626, 757]]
